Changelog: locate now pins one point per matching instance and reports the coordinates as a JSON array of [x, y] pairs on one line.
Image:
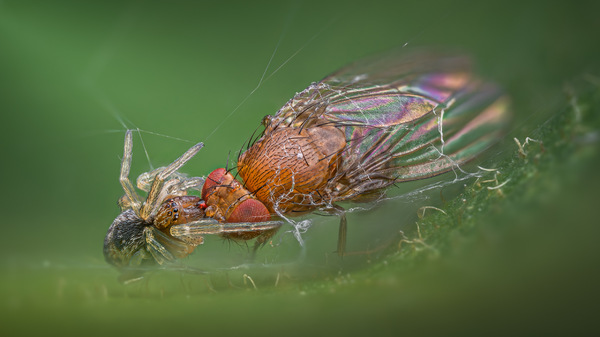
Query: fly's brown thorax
[[288, 169]]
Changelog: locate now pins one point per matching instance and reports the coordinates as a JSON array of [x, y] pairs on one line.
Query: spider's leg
[[192, 183], [154, 246], [144, 180], [154, 200], [197, 229], [182, 185], [133, 197]]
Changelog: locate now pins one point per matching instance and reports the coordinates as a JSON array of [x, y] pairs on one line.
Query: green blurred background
[[74, 75]]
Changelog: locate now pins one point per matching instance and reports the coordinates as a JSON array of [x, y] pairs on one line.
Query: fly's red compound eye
[[215, 178], [250, 210]]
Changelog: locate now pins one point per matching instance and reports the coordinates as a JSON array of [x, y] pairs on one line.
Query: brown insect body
[[365, 128], [292, 169]]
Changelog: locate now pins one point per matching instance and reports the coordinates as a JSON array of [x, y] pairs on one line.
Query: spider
[[169, 224]]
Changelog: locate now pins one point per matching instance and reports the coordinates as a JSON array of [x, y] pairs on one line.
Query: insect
[[384, 120], [375, 123]]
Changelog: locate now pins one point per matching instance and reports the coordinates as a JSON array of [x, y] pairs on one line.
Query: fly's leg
[[343, 228], [262, 239], [341, 245], [154, 200], [134, 200]]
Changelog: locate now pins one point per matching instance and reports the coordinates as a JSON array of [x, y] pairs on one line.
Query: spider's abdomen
[[124, 239]]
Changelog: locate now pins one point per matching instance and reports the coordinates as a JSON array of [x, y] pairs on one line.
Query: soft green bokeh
[[74, 74]]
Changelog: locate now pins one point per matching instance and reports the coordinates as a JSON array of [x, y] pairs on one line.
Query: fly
[[350, 136], [378, 122]]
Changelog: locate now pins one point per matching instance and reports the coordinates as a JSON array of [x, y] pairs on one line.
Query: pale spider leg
[[191, 183], [197, 229], [168, 188], [144, 180], [174, 187], [158, 251], [133, 197], [165, 248], [153, 199]]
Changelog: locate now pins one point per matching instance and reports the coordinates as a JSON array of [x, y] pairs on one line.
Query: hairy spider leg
[[154, 200], [133, 197]]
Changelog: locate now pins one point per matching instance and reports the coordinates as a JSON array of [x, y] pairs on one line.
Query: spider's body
[[169, 224]]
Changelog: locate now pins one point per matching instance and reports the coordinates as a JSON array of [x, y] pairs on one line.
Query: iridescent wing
[[406, 116]]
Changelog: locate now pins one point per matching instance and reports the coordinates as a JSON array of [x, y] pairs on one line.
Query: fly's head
[[227, 200]]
